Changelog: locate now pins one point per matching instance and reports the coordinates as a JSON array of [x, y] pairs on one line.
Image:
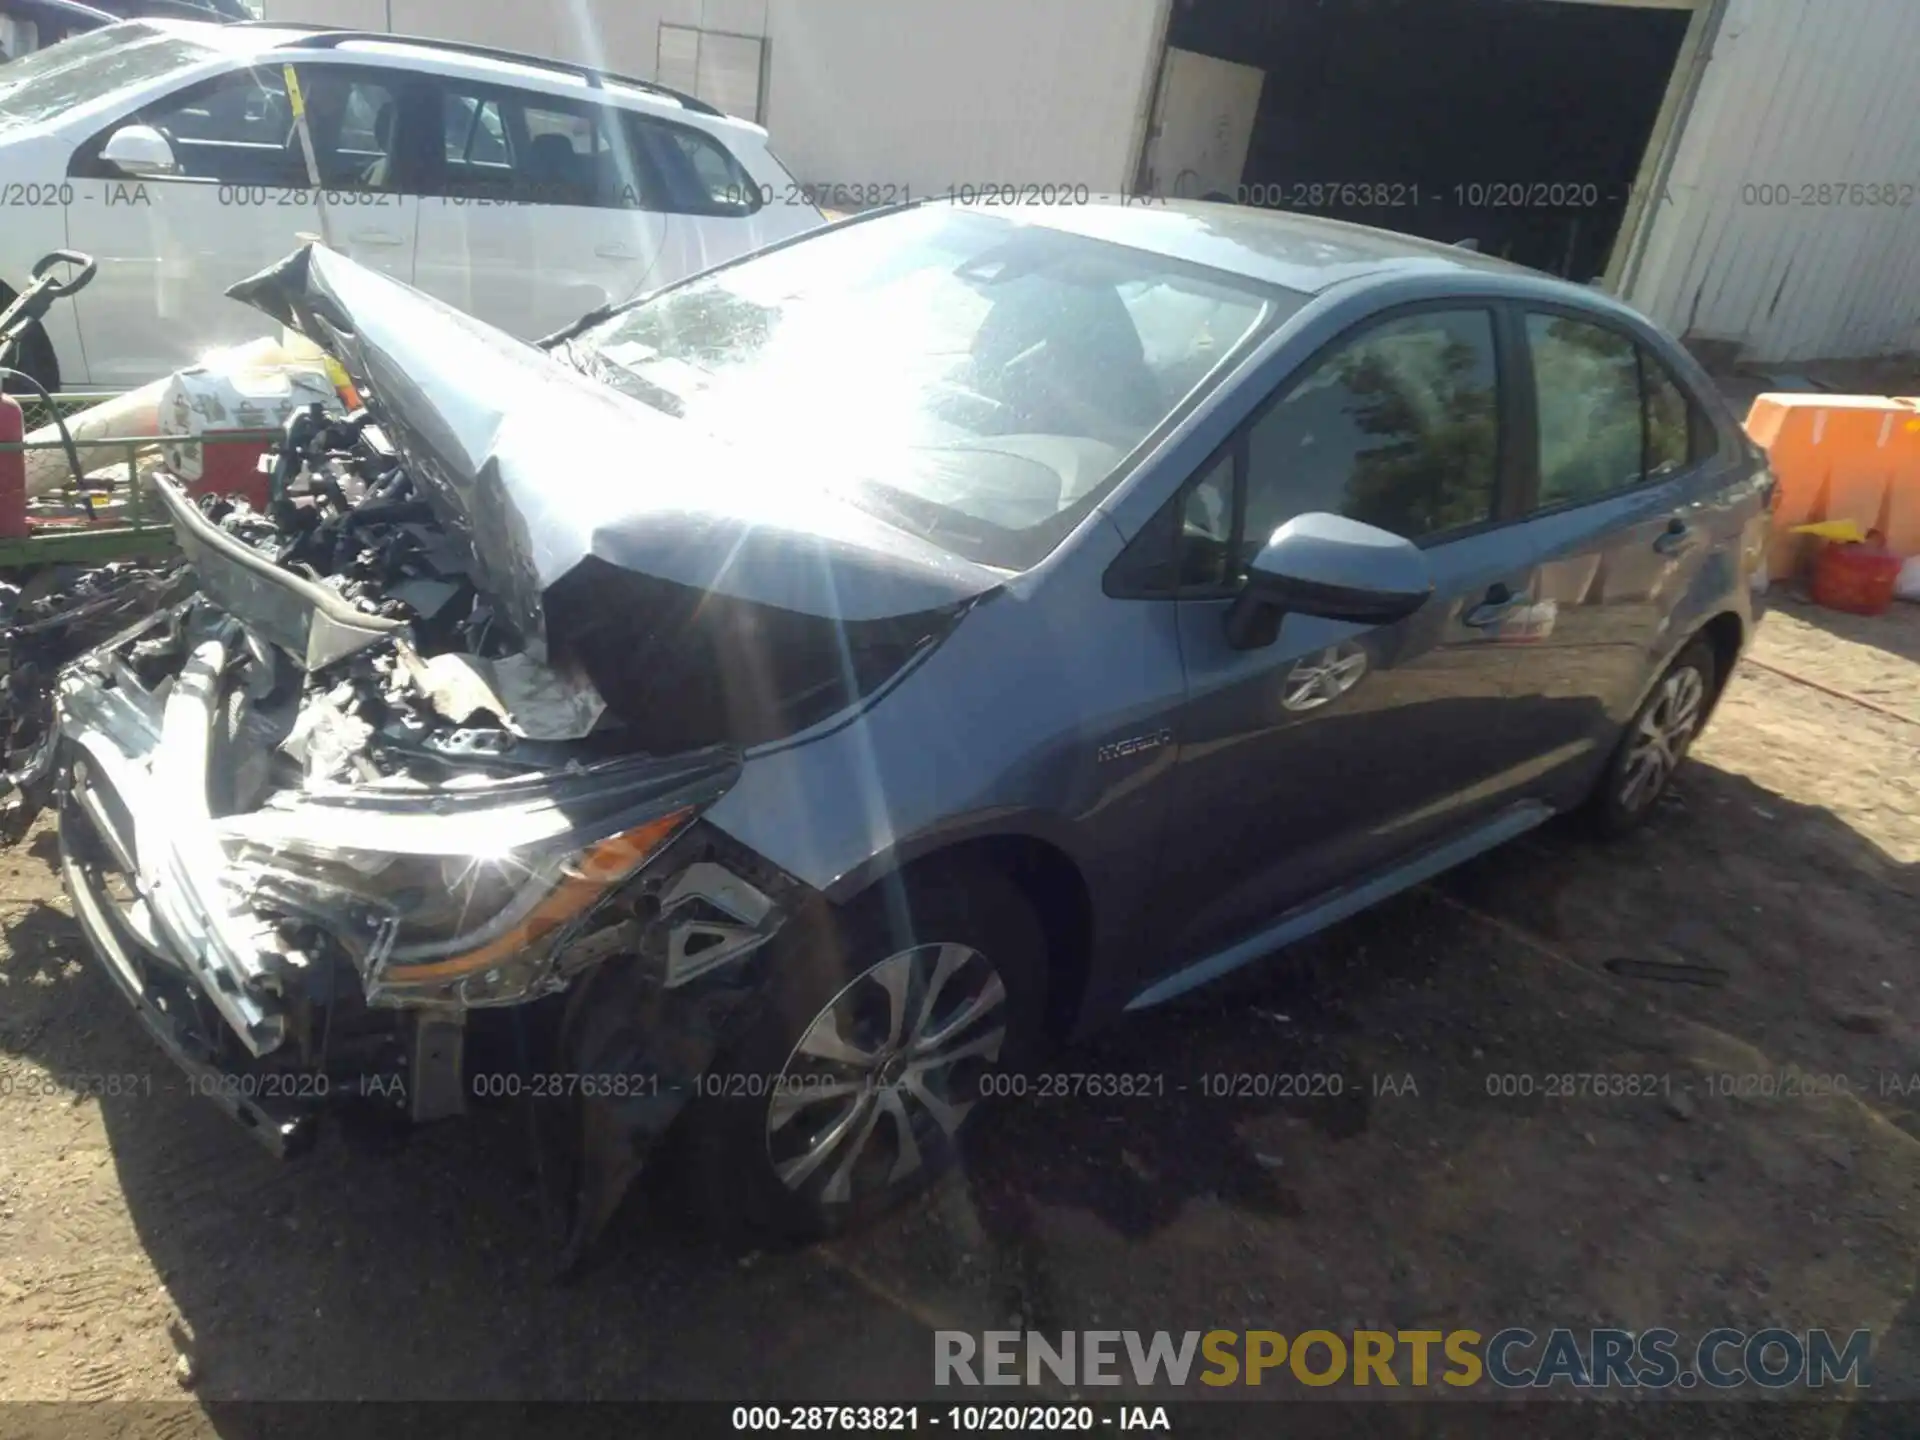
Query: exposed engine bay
[[391, 791], [339, 853], [388, 797]]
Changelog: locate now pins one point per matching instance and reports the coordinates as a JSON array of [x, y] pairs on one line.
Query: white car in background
[[524, 191]]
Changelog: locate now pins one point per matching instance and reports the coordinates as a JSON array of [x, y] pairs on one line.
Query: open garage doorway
[[1520, 125]]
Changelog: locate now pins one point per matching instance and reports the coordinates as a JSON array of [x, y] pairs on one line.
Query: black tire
[[33, 354], [728, 1148], [1627, 794]]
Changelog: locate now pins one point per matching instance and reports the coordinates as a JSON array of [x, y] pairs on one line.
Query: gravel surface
[[1765, 925]]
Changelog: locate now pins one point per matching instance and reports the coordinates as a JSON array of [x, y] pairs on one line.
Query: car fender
[[953, 832]]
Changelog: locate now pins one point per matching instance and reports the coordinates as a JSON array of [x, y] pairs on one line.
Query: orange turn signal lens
[[599, 866]]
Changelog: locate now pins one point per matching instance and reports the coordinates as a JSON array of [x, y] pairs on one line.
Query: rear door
[[542, 210], [1341, 748], [1619, 462]]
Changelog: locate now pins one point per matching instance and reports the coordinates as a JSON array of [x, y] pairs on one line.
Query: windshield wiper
[[586, 322], [927, 519]]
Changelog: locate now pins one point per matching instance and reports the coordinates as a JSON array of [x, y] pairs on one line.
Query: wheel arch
[[1727, 633], [1048, 878]]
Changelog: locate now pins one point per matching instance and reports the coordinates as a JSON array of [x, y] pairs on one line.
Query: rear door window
[[1679, 433], [1669, 446], [1587, 388], [1611, 414], [521, 147]]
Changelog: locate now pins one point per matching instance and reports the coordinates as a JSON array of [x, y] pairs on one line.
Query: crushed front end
[[346, 844], [404, 799]]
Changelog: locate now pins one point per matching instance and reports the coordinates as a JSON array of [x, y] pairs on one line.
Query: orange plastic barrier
[[1840, 457]]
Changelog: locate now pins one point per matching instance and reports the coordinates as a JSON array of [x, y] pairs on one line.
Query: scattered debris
[[58, 615]]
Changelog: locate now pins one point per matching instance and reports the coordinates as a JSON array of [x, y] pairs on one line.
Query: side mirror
[[139, 151], [1332, 567]]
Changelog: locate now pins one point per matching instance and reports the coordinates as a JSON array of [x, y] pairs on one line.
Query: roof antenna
[[1473, 245]]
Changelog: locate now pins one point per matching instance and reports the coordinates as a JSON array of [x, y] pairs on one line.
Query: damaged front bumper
[[279, 992]]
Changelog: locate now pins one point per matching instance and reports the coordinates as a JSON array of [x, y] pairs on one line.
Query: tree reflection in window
[[1399, 429], [1587, 380]]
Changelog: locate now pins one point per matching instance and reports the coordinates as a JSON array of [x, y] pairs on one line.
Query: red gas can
[[13, 470], [1856, 578]]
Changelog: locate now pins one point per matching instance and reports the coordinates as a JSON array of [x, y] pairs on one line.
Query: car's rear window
[[977, 380], [48, 83]]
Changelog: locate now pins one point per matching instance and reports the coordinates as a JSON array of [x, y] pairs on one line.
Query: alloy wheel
[[886, 1072], [1661, 736]]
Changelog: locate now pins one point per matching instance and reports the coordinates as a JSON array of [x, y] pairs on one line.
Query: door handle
[[1500, 603], [616, 252], [376, 237], [1678, 538]]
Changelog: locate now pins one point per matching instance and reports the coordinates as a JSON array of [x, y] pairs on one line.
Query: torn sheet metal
[[329, 740], [537, 467], [529, 700]]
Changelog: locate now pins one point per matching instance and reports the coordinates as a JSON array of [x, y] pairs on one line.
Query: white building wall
[[1796, 92], [622, 35], [932, 93]]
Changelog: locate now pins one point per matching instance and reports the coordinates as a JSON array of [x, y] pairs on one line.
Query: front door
[[239, 197], [1340, 748], [169, 245]]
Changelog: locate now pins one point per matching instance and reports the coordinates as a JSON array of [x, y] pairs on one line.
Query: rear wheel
[[851, 1091], [1656, 742]]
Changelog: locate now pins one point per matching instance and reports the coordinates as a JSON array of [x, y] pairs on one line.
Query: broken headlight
[[463, 894]]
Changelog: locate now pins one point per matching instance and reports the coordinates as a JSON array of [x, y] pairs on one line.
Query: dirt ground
[[1766, 922]]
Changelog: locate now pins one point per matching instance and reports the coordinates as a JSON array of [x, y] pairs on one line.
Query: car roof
[[1277, 247]]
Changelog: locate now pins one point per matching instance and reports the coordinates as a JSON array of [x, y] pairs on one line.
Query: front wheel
[[850, 1092], [1655, 742]]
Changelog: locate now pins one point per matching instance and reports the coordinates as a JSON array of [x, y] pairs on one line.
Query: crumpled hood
[[536, 467]]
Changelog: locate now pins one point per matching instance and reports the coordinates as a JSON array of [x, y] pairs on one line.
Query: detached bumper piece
[[141, 971], [135, 843]]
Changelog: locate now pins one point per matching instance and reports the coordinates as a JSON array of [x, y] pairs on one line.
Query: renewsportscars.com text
[[1510, 1359]]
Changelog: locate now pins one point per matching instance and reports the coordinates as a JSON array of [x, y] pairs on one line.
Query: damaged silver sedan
[[774, 709], [417, 799]]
